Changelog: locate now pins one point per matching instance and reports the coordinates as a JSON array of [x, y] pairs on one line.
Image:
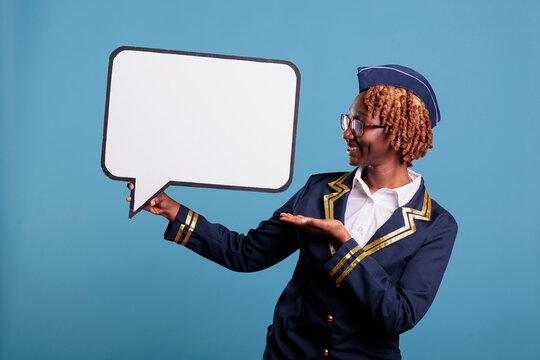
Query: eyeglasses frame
[[353, 128]]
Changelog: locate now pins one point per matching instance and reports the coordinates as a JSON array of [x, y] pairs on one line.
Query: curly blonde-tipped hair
[[406, 119]]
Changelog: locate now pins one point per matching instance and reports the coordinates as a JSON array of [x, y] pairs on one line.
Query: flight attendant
[[373, 244]]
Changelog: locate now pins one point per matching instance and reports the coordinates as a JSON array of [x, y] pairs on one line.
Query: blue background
[[78, 280]]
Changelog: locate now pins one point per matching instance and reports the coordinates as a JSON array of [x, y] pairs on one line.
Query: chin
[[354, 162]]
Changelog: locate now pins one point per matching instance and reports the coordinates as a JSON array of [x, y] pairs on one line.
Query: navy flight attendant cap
[[403, 77]]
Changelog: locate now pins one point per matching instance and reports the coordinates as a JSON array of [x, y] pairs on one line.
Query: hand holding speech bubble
[[193, 119]]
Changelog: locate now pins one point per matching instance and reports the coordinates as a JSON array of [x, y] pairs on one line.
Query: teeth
[[352, 148]]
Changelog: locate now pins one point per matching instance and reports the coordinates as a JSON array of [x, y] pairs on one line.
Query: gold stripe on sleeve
[[350, 267], [181, 229], [191, 228], [344, 260]]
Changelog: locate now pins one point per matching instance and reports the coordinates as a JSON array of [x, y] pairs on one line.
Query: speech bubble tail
[[144, 191]]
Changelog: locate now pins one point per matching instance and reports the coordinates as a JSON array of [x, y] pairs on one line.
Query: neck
[[385, 176]]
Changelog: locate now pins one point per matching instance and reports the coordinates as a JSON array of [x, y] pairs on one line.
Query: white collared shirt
[[366, 212]]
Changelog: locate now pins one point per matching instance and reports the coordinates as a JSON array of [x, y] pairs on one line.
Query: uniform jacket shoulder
[[439, 214], [325, 178]]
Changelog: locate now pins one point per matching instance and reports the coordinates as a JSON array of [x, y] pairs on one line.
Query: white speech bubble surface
[[195, 119]]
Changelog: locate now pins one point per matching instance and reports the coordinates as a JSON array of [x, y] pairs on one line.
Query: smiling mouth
[[352, 150]]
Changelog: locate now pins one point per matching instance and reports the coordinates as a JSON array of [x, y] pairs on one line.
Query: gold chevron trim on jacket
[[329, 199], [409, 227]]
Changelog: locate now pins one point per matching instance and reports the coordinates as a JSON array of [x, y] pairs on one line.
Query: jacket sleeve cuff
[[344, 260], [182, 227]]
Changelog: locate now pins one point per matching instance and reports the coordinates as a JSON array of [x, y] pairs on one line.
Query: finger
[[293, 219], [312, 224], [151, 208], [287, 218], [290, 215], [321, 224], [128, 199], [130, 186], [155, 201], [301, 219]]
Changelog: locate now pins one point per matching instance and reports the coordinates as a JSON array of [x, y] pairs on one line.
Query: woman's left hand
[[331, 228]]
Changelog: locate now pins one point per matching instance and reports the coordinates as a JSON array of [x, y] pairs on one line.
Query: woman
[[373, 244]]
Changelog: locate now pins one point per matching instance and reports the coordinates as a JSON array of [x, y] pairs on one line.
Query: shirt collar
[[404, 193]]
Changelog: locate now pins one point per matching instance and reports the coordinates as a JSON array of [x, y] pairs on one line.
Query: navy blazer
[[343, 301]]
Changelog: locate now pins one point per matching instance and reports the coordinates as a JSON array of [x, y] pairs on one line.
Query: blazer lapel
[[335, 200], [402, 222]]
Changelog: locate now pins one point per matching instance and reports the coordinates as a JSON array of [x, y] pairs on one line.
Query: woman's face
[[374, 146]]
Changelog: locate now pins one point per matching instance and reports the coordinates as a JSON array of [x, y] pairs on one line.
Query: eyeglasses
[[357, 126]]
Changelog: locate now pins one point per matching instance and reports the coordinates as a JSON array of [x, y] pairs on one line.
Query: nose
[[348, 135]]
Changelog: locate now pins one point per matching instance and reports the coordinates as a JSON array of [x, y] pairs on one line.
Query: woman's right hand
[[160, 205]]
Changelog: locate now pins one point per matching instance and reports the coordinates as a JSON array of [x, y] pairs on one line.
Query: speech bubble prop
[[194, 119]]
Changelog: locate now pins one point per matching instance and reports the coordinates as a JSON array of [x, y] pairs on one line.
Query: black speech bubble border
[[133, 212]]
